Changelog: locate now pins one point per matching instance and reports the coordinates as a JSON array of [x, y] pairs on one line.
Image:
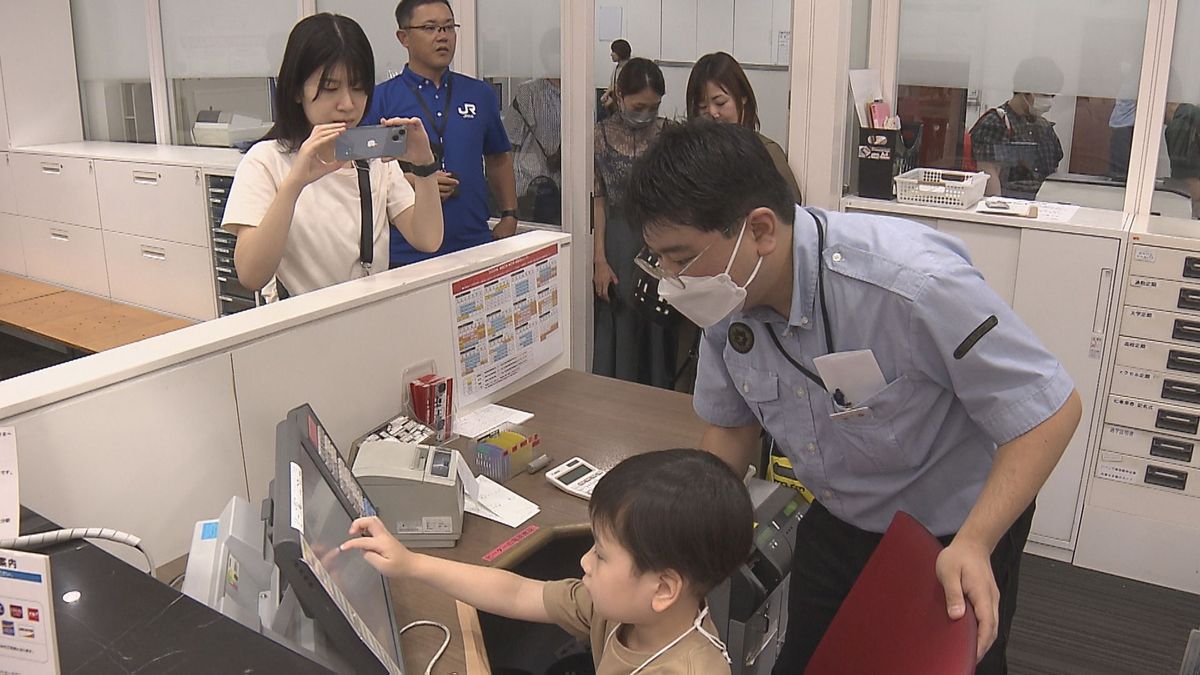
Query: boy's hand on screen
[[379, 547]]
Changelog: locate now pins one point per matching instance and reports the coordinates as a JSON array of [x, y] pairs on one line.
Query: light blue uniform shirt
[[911, 296]]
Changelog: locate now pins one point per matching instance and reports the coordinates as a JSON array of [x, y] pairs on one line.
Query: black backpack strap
[[366, 243]]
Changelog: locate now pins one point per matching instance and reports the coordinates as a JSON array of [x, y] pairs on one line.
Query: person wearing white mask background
[[627, 345], [967, 418], [1014, 143]]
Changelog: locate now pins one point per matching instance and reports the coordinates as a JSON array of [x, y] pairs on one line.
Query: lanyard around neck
[[819, 220], [440, 131]]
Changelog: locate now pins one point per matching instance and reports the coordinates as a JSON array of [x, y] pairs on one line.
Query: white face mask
[[716, 641], [1041, 104], [709, 300]]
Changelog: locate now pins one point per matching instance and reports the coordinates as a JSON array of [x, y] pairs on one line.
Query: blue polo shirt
[[473, 129]]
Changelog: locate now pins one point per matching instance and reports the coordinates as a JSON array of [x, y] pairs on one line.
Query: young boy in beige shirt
[[668, 526]]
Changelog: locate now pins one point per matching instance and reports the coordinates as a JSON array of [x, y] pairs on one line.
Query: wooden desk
[[17, 289], [82, 322], [598, 418]]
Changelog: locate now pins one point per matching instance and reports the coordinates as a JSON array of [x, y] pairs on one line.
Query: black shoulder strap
[[366, 243]]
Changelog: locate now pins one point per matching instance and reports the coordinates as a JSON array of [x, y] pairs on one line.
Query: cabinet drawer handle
[[1174, 390], [52, 168], [146, 177], [152, 253], [1164, 477], [1180, 451], [1189, 298], [59, 235], [1191, 267], [226, 251], [1177, 359], [224, 270], [1188, 424], [1186, 330]]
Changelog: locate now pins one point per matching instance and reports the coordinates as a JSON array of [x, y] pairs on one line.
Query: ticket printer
[[415, 488], [749, 608]]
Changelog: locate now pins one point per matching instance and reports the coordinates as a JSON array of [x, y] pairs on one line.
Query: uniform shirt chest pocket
[[867, 440], [760, 389]]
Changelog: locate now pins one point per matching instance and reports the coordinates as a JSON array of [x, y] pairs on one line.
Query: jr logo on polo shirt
[[467, 111]]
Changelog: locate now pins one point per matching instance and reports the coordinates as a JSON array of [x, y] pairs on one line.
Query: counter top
[[218, 160], [1100, 222]]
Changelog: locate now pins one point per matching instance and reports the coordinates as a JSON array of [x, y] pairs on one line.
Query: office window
[[378, 21], [113, 64], [1177, 172], [519, 55], [1036, 92], [222, 57]]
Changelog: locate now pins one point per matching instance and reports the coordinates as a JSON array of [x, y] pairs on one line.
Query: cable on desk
[[445, 643], [42, 539]]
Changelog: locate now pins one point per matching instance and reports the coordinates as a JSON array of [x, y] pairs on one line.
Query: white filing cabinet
[[62, 189], [70, 255], [1143, 498], [1070, 314], [156, 237]]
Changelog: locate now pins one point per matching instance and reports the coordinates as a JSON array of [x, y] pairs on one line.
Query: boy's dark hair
[[405, 9], [705, 175], [318, 42], [621, 48], [640, 74], [724, 71], [680, 509]]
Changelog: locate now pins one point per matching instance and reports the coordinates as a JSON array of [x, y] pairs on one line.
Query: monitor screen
[[312, 519]]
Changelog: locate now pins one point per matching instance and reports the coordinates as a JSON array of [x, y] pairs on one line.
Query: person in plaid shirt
[[1014, 143]]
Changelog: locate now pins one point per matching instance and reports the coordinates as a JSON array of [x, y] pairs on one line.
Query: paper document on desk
[[10, 500], [488, 418], [500, 504]]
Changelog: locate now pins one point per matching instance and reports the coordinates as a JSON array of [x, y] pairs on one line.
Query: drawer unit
[[163, 275], [1164, 263], [65, 254], [12, 252], [1164, 294], [232, 296], [1158, 475], [1160, 356], [1156, 446], [1155, 324], [1155, 386], [62, 189], [149, 200], [1139, 414]]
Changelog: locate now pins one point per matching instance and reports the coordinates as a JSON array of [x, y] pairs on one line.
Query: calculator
[[575, 476]]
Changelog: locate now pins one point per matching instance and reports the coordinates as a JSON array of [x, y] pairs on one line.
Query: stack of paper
[[496, 502]]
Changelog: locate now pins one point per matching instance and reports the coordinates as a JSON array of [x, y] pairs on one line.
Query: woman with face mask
[[719, 90], [627, 346]]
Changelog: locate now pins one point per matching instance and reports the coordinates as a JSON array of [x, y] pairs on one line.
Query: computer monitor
[[347, 599]]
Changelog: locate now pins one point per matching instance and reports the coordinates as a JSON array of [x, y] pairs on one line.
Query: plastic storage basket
[[941, 187]]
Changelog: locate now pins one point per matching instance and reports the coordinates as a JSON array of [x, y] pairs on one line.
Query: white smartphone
[[575, 476]]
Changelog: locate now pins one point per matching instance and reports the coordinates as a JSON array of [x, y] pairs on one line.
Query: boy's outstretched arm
[[491, 590]]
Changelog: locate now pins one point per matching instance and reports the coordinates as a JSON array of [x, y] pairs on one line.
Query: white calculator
[[575, 476]]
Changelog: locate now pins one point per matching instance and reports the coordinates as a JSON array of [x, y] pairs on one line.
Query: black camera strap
[[366, 242]]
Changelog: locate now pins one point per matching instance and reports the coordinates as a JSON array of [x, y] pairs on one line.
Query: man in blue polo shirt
[[462, 118]]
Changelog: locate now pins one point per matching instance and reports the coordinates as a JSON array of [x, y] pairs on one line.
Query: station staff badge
[[741, 337]]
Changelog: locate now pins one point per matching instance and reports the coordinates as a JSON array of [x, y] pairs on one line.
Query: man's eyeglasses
[[430, 29], [655, 270]]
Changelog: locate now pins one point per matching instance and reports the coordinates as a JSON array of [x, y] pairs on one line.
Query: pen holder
[[884, 154], [504, 454]]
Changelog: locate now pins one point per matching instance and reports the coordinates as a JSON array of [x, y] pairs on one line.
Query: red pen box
[[432, 400]]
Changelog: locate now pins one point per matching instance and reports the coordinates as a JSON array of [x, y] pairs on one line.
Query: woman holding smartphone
[[297, 211]]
